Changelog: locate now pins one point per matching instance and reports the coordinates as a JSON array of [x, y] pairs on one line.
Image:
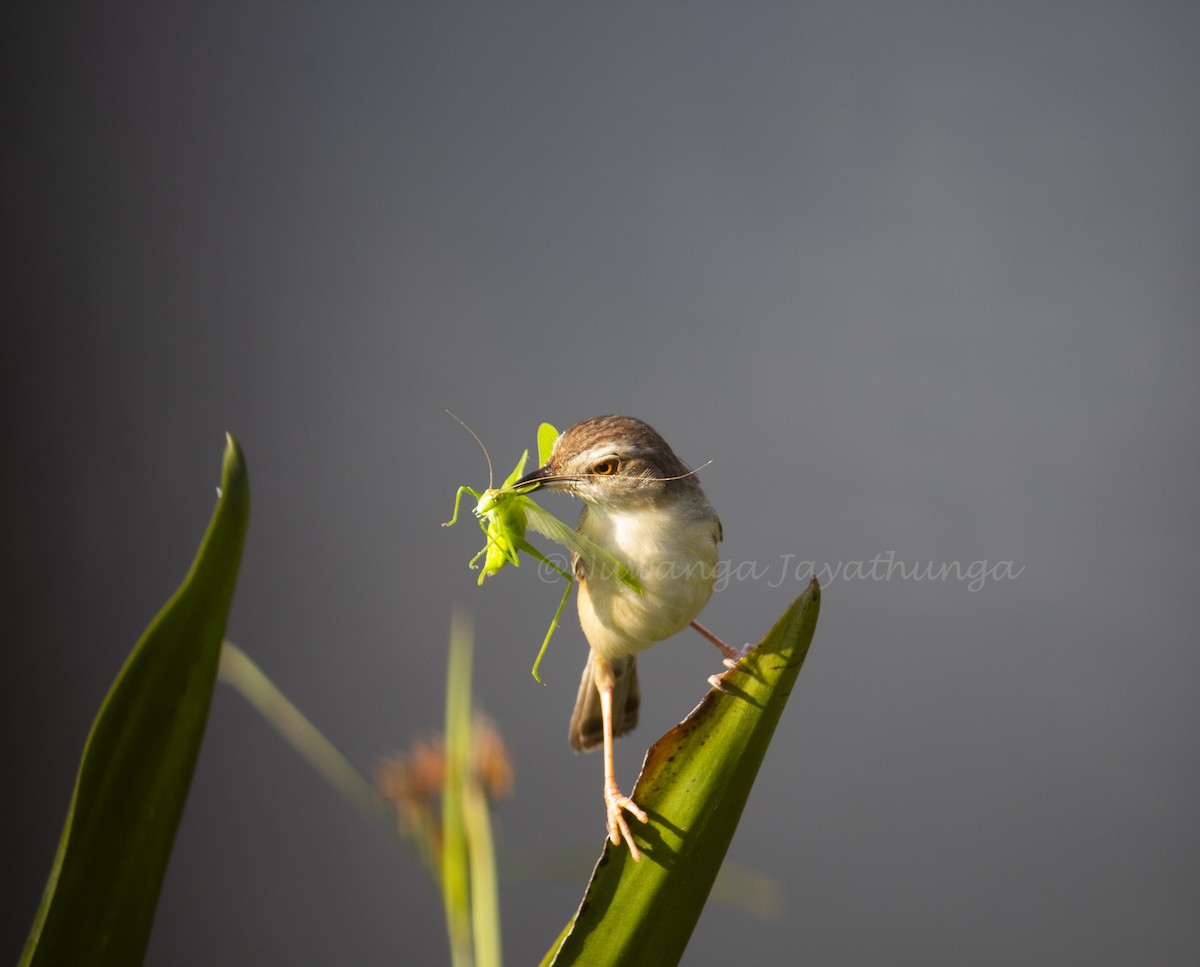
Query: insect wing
[[517, 474], [546, 524], [546, 437]]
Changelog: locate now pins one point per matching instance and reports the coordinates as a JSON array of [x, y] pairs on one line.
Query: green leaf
[[137, 764], [694, 784]]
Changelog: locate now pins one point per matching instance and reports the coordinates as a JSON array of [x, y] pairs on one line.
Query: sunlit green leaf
[[694, 784]]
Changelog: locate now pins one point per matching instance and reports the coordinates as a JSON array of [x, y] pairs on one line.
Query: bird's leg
[[614, 801], [732, 655]]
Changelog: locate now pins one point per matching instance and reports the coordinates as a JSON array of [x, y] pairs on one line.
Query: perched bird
[[645, 507]]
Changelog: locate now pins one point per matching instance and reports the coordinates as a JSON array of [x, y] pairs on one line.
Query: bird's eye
[[605, 468]]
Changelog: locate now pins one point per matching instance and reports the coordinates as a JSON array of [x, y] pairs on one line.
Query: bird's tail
[[587, 723]]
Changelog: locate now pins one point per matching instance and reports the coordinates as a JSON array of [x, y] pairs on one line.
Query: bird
[[645, 507]]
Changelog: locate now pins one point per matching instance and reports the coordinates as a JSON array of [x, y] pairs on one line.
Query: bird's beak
[[541, 477]]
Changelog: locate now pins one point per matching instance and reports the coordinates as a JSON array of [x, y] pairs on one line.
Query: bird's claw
[[734, 657], [617, 805], [730, 662]]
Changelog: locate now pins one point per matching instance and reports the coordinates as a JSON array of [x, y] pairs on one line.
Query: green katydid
[[505, 512]]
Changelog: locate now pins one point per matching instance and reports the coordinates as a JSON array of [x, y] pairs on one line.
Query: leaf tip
[[233, 453], [234, 487]]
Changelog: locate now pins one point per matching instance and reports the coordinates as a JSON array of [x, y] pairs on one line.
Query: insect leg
[[457, 500], [570, 579]]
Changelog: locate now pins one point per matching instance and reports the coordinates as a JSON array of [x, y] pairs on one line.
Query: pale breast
[[676, 563]]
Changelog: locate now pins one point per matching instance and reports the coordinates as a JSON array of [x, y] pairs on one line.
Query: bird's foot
[[617, 805], [730, 662]]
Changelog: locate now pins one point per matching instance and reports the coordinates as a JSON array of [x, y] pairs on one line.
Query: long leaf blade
[[694, 784], [137, 764]]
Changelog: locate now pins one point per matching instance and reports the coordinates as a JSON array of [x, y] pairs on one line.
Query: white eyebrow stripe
[[594, 454]]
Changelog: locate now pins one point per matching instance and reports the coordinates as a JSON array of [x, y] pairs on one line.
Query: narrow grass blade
[[239, 672], [137, 764], [469, 887], [456, 863], [694, 784]]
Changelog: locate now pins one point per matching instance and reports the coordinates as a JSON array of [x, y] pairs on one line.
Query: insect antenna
[[481, 447]]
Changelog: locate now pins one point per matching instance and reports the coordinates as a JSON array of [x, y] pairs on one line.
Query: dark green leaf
[[137, 765]]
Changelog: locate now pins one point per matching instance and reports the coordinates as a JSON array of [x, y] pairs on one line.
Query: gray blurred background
[[919, 279]]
